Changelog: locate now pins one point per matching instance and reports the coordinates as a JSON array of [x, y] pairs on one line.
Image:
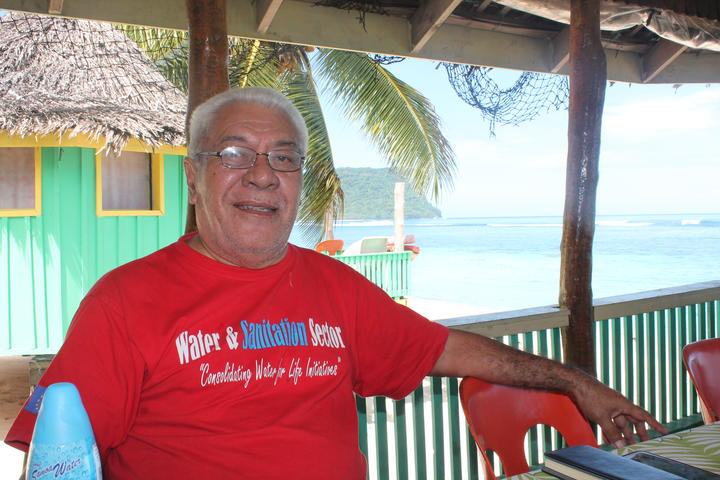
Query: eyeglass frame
[[257, 154]]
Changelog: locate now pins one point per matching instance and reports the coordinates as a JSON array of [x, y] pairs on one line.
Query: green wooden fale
[[48, 262]]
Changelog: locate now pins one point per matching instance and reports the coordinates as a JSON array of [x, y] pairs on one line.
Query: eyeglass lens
[[281, 160]]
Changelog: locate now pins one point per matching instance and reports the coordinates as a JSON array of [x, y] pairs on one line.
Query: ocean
[[507, 263]]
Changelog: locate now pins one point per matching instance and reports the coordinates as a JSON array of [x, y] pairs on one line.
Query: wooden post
[[328, 224], [399, 217], [207, 65], [588, 76]]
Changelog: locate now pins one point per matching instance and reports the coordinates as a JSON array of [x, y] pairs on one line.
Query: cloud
[[696, 111], [481, 154]]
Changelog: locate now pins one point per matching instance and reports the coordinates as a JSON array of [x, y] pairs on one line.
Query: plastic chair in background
[[499, 417], [373, 245], [330, 246], [702, 360]]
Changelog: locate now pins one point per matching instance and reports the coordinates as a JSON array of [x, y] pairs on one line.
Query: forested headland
[[369, 195]]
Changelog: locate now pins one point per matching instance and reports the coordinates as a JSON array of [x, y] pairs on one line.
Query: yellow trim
[[98, 184], [82, 140], [157, 183], [30, 212]]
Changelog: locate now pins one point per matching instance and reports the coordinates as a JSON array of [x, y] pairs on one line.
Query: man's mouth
[[255, 208]]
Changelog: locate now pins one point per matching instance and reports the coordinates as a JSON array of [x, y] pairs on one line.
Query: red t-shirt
[[190, 368]]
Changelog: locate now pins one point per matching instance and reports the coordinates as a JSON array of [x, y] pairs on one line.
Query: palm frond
[[321, 185], [397, 119], [167, 48], [253, 63]]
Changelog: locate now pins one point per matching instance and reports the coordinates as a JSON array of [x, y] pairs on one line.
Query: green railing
[[388, 270], [639, 340]]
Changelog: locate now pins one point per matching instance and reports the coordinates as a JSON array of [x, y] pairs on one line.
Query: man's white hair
[[203, 116]]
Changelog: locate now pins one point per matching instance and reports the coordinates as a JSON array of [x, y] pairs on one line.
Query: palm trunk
[[328, 223], [588, 76], [207, 66]]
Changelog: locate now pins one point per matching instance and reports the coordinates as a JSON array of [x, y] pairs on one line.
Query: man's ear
[[191, 175]]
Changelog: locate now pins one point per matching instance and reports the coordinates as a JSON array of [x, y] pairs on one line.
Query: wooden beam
[[588, 77], [55, 7], [266, 10], [427, 19], [307, 24], [560, 50], [483, 5], [659, 57]]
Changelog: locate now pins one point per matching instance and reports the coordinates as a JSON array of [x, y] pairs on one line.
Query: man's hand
[[618, 418]]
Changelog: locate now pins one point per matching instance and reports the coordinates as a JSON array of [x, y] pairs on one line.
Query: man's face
[[244, 216]]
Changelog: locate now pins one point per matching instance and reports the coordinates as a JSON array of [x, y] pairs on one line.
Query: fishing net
[[386, 59], [530, 95]]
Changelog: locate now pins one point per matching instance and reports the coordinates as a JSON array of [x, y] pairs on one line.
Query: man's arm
[[470, 355]]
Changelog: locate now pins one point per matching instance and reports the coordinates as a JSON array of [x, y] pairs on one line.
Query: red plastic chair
[[330, 246], [702, 360], [499, 417]]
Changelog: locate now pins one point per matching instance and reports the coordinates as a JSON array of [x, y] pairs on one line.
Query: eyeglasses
[[243, 157]]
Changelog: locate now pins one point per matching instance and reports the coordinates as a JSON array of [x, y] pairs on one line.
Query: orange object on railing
[[330, 246]]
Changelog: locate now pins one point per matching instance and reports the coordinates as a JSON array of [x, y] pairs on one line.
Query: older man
[[232, 354]]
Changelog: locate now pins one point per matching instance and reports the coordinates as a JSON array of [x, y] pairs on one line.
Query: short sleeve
[[99, 357], [395, 347]]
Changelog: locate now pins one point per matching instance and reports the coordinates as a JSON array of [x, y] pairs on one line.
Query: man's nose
[[260, 174]]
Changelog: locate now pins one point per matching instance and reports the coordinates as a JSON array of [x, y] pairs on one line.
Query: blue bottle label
[[70, 461]]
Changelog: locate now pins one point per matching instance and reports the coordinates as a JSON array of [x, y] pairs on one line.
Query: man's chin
[[257, 254]]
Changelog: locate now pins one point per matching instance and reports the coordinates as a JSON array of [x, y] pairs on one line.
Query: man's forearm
[[468, 354]]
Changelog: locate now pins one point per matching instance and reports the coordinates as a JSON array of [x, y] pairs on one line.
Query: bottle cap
[[62, 418]]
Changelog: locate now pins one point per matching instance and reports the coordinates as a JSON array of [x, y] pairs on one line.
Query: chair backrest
[[499, 417], [373, 245], [330, 246], [702, 360]]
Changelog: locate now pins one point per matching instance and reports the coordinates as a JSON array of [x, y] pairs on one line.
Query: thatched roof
[[60, 75]]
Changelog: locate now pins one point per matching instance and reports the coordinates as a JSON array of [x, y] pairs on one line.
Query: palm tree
[[395, 117]]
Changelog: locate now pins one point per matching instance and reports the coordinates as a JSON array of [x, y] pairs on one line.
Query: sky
[[658, 155]]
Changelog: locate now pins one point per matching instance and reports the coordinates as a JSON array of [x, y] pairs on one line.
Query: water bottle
[[63, 445]]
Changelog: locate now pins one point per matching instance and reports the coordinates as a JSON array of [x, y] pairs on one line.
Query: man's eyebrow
[[286, 143], [233, 138]]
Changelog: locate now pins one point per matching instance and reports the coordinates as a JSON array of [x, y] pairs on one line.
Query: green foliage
[[369, 194]]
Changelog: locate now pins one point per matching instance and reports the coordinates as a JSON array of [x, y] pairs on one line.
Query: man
[[232, 354]]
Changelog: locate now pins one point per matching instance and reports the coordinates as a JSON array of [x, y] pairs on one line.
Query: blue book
[[584, 462]]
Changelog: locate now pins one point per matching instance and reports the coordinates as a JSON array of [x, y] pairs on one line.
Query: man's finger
[[650, 420], [612, 433], [641, 416], [641, 430], [626, 428]]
